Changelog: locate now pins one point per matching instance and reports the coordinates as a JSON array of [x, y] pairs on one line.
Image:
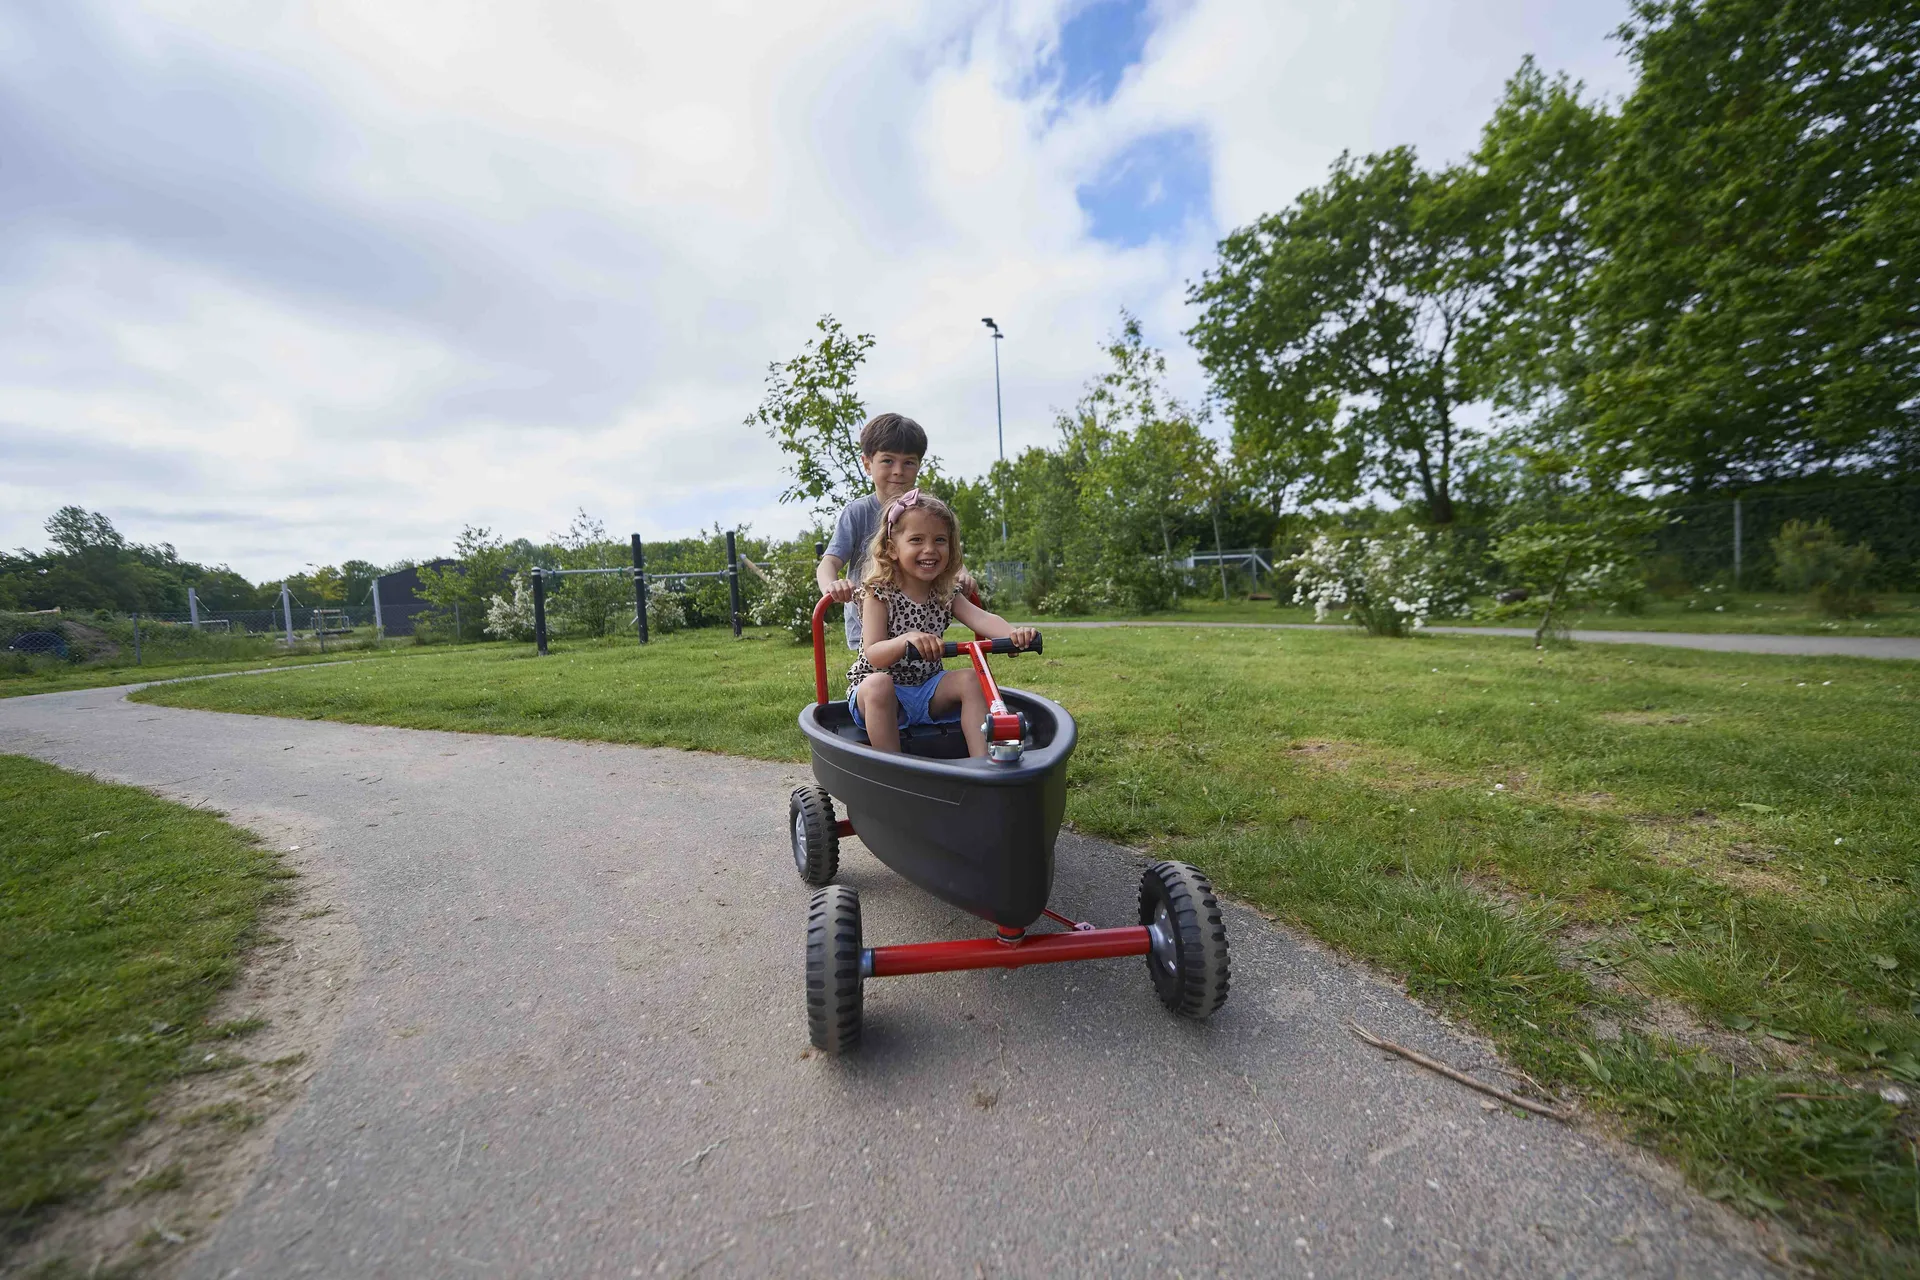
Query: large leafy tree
[[1531, 184], [1756, 311], [1340, 332]]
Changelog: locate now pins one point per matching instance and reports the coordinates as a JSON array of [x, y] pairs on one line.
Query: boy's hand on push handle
[[841, 591]]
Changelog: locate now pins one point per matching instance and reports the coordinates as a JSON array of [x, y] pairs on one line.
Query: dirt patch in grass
[[207, 1133], [1652, 718], [1392, 770]]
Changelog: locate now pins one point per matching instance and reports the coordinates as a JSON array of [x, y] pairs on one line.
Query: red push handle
[[820, 648]]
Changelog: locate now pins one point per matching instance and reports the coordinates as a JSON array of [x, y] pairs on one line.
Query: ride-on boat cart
[[978, 834]]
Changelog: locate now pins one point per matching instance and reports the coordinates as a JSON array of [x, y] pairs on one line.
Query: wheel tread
[[819, 861], [834, 1003], [1203, 975]]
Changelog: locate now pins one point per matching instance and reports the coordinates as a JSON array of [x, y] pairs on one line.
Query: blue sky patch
[[1097, 45], [1150, 189]]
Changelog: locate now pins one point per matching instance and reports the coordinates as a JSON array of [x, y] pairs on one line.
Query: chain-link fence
[[1730, 541]]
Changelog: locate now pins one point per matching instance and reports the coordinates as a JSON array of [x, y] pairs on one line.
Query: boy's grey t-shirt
[[852, 532]]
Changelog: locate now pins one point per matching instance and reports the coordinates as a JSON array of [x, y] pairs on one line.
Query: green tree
[[323, 586], [1588, 554], [464, 589], [1756, 313], [1532, 180], [356, 581], [1097, 517], [812, 412], [598, 604], [1340, 332]]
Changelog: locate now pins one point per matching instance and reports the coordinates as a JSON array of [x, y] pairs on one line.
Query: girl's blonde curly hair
[[882, 564]]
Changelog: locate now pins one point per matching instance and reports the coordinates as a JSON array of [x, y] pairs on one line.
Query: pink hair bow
[[900, 506]]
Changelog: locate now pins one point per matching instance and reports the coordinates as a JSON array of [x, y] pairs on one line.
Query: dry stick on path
[[1435, 1065]]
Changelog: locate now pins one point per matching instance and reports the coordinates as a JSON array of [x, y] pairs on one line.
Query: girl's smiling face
[[922, 545]]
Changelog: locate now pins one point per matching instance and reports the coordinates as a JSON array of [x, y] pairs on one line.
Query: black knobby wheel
[[816, 843], [1188, 958], [833, 969]]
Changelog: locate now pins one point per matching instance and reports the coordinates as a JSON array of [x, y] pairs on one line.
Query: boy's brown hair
[[892, 433]]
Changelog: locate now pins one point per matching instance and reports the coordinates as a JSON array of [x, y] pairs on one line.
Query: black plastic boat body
[[976, 833]]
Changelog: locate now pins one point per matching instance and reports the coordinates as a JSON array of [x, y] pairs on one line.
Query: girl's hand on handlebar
[[930, 646], [1022, 637]]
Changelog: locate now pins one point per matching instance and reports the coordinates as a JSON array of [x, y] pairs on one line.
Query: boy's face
[[892, 473]]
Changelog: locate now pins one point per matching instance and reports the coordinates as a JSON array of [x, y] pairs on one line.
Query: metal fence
[[1730, 540]]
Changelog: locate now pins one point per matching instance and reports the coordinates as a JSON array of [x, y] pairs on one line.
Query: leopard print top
[[903, 615]]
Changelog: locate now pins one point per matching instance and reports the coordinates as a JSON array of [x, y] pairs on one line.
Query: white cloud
[[351, 274]]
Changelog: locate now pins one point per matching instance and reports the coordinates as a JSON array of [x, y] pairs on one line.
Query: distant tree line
[[88, 564]]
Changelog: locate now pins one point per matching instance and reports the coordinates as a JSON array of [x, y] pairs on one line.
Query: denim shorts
[[914, 702]]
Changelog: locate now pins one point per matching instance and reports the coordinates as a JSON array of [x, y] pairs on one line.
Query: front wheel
[[816, 840], [833, 969], [1188, 957]]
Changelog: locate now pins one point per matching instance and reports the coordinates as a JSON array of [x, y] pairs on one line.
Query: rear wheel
[[1188, 957], [816, 842], [833, 969]]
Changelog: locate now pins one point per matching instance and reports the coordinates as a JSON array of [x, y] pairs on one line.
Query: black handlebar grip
[[951, 649]]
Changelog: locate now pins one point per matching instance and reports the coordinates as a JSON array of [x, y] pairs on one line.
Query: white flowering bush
[[666, 612], [512, 620], [790, 594], [1390, 584]]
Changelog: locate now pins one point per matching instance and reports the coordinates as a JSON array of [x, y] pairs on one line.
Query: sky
[[288, 284]]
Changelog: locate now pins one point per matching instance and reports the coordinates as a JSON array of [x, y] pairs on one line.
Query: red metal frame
[[994, 953], [1002, 725]]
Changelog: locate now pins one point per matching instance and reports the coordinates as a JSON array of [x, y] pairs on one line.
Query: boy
[[891, 449]]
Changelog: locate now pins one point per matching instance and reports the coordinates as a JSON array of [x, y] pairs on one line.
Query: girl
[[906, 603]]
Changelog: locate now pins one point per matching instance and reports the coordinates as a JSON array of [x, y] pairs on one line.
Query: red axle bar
[[991, 953]]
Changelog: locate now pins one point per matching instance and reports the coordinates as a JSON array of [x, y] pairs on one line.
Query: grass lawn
[[122, 916], [1749, 614], [1678, 884]]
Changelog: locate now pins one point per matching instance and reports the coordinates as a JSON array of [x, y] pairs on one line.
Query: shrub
[[666, 612], [1811, 557], [1568, 563], [1387, 584], [512, 620], [789, 594]]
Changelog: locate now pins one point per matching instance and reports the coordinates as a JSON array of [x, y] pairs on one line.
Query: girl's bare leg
[[961, 689], [880, 708]]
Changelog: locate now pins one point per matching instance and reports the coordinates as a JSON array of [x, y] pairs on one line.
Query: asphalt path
[[577, 1047], [1800, 646]]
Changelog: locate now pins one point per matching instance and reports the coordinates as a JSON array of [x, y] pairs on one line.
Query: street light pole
[[999, 416]]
